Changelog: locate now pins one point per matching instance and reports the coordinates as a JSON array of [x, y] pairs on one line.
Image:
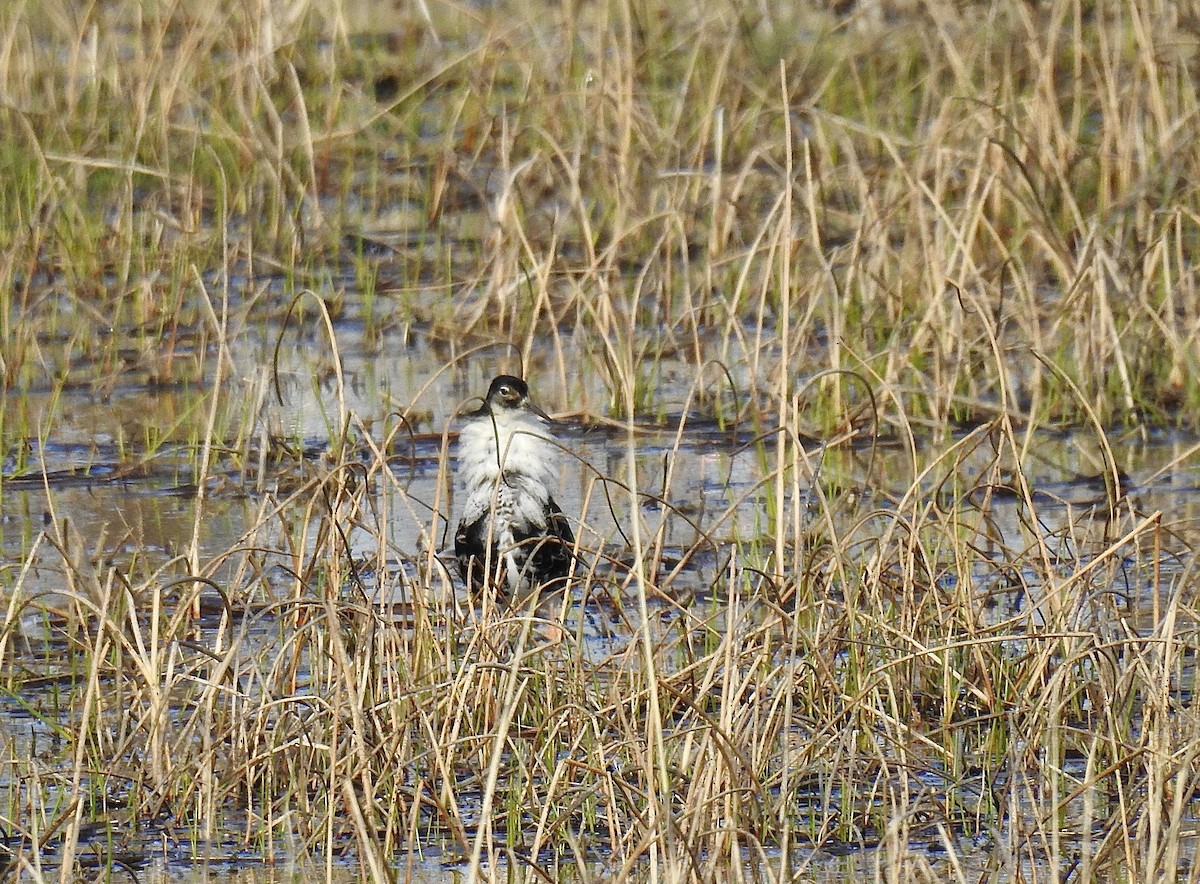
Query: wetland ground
[[874, 337]]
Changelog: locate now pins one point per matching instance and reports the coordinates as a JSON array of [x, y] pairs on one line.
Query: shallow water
[[87, 486]]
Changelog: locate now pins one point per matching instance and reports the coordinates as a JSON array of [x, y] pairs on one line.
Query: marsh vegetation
[[873, 332]]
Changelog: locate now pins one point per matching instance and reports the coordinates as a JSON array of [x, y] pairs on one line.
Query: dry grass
[[924, 233]]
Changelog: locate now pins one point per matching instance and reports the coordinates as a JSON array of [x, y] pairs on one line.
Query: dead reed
[[925, 234]]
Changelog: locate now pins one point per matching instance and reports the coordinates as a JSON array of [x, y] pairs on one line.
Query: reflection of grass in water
[[968, 223]]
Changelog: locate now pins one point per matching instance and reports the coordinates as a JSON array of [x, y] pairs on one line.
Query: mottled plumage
[[507, 466]]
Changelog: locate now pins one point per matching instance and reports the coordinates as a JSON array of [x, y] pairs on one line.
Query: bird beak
[[539, 412]]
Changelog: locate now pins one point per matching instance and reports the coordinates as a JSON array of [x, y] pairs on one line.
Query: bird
[[512, 533]]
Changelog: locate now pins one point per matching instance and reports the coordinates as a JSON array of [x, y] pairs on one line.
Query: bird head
[[508, 393]]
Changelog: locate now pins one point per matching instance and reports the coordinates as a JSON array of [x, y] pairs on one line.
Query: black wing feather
[[549, 558], [543, 553], [471, 549]]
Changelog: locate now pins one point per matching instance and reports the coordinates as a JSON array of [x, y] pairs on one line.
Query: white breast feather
[[516, 442], [519, 445]]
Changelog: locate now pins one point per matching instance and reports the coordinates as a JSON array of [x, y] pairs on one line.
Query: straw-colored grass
[[923, 233]]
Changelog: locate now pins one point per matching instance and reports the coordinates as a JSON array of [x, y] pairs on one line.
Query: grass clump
[[925, 235]]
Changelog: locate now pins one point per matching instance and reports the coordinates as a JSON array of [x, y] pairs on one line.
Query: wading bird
[[512, 532]]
